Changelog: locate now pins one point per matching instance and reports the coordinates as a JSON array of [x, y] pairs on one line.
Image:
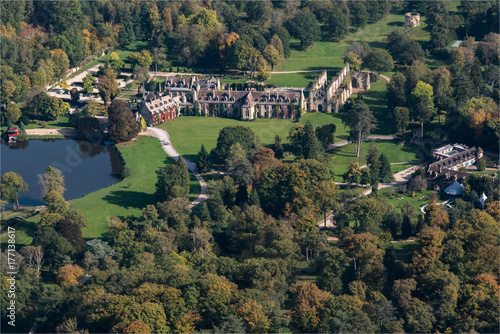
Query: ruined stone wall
[[320, 82], [334, 85]]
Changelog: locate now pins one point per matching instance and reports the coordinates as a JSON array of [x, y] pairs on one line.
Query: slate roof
[[455, 189]]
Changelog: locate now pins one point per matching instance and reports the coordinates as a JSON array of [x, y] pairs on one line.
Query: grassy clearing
[[394, 153], [123, 54], [129, 196], [416, 199], [188, 133], [404, 250]]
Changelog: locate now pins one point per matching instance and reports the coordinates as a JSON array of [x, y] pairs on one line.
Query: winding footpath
[[163, 136]]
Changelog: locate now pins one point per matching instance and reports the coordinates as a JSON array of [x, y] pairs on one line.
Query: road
[[163, 136]]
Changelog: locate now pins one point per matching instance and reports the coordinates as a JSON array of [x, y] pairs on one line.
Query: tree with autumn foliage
[[308, 303], [70, 275], [137, 327], [108, 86]]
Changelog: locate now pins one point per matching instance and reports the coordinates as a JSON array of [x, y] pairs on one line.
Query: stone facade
[[249, 104], [329, 96], [412, 20], [157, 109], [209, 98]]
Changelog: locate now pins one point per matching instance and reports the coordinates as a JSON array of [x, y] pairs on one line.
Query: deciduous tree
[[360, 120], [12, 185]]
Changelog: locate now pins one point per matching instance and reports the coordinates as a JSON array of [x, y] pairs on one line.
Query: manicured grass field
[[295, 79], [394, 153], [131, 195], [377, 102], [188, 133]]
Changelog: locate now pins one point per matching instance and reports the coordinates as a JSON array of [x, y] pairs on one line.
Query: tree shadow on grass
[[129, 199], [28, 227], [396, 24], [321, 68], [379, 45]]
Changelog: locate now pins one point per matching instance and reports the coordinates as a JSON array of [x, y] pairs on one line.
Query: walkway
[[401, 179], [52, 132], [385, 77], [345, 142], [163, 136]]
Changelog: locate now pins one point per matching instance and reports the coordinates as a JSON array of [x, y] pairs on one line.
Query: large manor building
[[208, 97], [448, 161]]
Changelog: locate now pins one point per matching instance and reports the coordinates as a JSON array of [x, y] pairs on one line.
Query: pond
[[86, 166]]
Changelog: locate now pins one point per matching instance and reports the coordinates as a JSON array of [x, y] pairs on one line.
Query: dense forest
[[232, 264], [251, 258]]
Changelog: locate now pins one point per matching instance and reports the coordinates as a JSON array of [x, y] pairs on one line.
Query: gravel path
[[345, 142], [51, 132], [163, 136]]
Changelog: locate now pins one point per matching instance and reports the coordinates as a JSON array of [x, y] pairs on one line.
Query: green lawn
[[377, 102], [24, 230], [330, 54], [394, 153], [62, 122], [129, 196], [403, 250], [188, 133], [415, 200], [295, 79]]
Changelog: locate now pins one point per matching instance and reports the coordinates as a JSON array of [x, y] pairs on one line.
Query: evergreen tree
[[254, 199], [311, 147], [203, 164], [372, 159], [204, 213], [385, 169], [278, 148], [241, 195], [406, 229]]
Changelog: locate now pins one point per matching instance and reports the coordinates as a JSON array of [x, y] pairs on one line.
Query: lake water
[[86, 167]]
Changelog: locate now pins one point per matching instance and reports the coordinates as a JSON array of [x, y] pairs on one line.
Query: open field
[[394, 153], [129, 196], [188, 133], [330, 54]]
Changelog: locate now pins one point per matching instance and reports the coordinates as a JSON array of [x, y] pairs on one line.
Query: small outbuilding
[[455, 189]]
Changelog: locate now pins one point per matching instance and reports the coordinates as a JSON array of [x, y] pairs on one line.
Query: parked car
[[60, 91]]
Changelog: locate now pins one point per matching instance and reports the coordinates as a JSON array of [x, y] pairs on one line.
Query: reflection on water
[[86, 167]]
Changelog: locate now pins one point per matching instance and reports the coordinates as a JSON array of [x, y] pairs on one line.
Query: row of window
[[209, 98]]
